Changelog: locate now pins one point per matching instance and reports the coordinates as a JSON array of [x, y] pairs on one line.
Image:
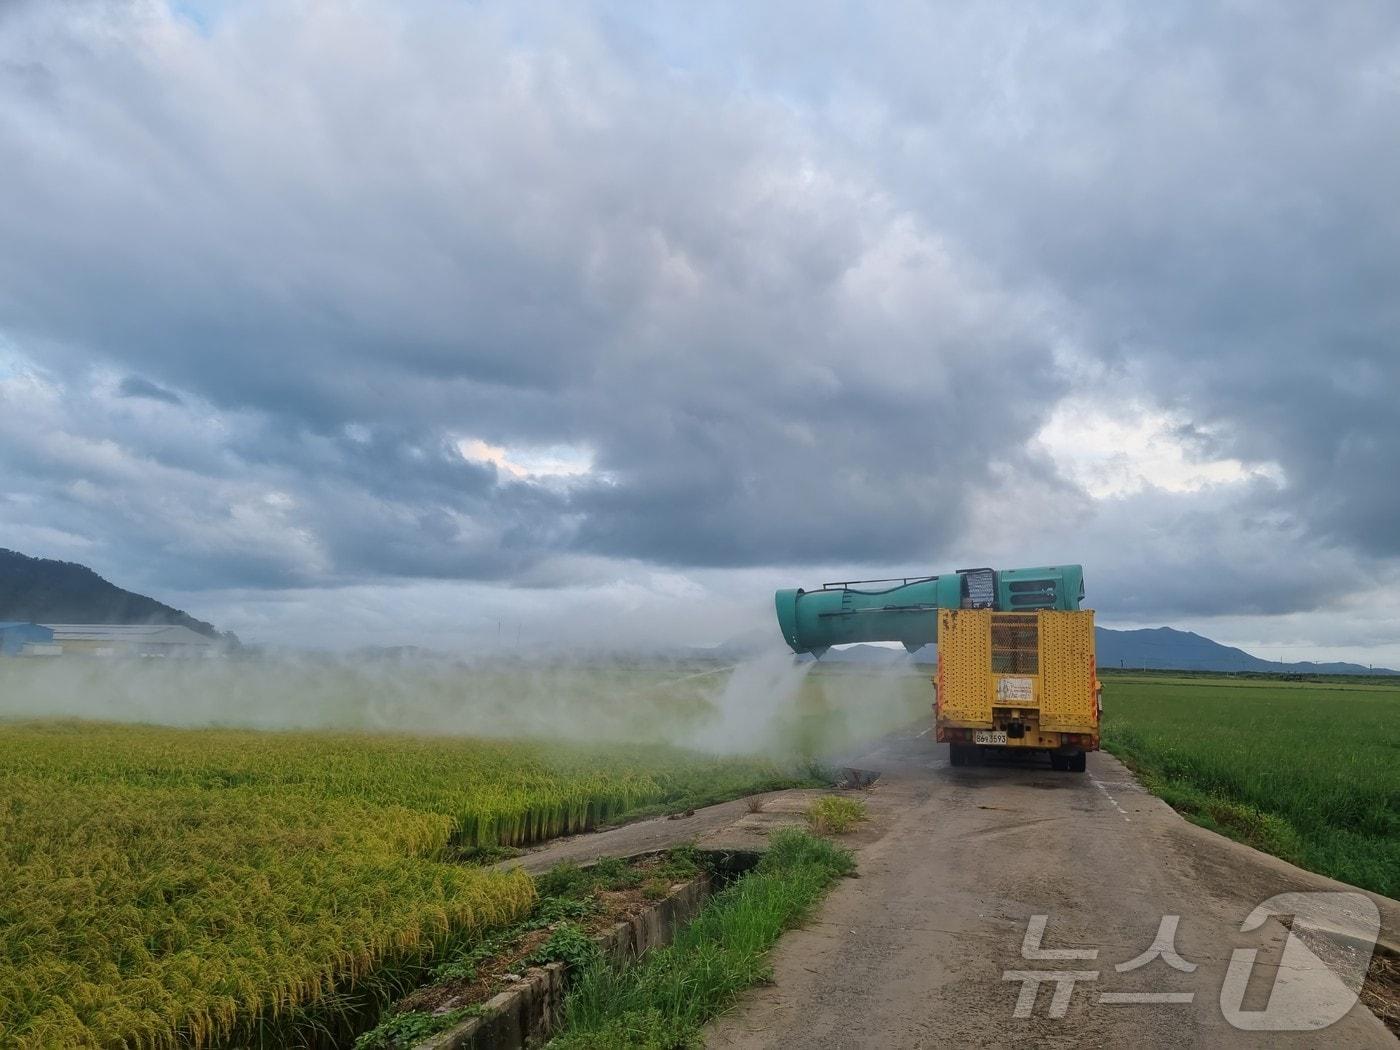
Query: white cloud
[[1122, 450], [525, 464]]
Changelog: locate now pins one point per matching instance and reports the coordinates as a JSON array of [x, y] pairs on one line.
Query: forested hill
[[41, 590]]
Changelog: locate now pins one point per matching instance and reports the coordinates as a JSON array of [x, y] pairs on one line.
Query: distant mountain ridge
[[1152, 648], [1166, 648], [41, 590]]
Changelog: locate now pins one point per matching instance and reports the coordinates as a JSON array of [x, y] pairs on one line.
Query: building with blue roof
[[16, 635]]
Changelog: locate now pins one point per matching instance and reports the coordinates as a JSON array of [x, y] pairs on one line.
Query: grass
[[834, 815], [187, 888], [567, 897], [661, 1002], [1308, 771]]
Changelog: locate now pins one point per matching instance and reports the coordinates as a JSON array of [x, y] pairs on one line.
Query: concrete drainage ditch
[[526, 1014]]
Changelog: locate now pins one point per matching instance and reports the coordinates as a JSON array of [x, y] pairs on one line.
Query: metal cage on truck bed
[[1017, 680]]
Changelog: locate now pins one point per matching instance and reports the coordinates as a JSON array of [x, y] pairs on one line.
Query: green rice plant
[[1309, 771], [835, 815]]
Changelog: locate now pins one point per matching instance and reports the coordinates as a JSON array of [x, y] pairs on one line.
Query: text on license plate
[[988, 736]]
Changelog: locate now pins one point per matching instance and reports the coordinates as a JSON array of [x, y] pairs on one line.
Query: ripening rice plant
[[148, 917], [169, 888]]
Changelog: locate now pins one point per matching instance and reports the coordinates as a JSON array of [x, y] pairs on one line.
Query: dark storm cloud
[[1208, 189], [801, 286], [765, 358]]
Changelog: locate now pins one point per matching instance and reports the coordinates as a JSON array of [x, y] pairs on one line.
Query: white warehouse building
[[150, 640]]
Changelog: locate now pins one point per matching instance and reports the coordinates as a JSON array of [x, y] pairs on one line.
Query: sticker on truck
[[1014, 689]]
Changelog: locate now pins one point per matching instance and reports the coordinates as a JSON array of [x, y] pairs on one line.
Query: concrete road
[[740, 824], [957, 863]]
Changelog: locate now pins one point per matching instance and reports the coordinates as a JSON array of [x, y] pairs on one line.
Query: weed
[[791, 848], [559, 909], [834, 815], [463, 964], [681, 863], [455, 970], [563, 880], [655, 889], [614, 873], [401, 1030], [569, 944]]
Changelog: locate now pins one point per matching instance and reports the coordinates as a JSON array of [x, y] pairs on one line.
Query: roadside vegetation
[[172, 887], [573, 904], [835, 815], [661, 1002], [1308, 771]]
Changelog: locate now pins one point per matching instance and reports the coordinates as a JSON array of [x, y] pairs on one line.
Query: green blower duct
[[903, 610]]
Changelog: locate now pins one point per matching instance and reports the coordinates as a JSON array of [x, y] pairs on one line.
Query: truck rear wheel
[[962, 754], [1076, 762], [1059, 763]]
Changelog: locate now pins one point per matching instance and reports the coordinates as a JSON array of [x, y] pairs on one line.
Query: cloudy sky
[[342, 322]]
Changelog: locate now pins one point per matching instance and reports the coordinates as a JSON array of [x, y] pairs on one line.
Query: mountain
[[1155, 648], [1168, 649], [877, 654], [41, 590]]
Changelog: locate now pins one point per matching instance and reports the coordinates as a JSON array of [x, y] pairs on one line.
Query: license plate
[[987, 736]]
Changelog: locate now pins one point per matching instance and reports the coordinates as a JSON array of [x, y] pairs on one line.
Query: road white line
[[924, 733], [1100, 785]]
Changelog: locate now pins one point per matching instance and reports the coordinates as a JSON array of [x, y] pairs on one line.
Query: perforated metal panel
[[964, 665], [1067, 671]]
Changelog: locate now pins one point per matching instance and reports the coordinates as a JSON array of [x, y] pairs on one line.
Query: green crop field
[[187, 887], [1309, 771]]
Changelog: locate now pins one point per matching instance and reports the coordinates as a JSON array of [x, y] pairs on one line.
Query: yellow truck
[[1016, 667], [1017, 682]]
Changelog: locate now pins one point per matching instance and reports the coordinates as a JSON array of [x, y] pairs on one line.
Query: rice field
[[198, 887], [1309, 771], [766, 704]]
